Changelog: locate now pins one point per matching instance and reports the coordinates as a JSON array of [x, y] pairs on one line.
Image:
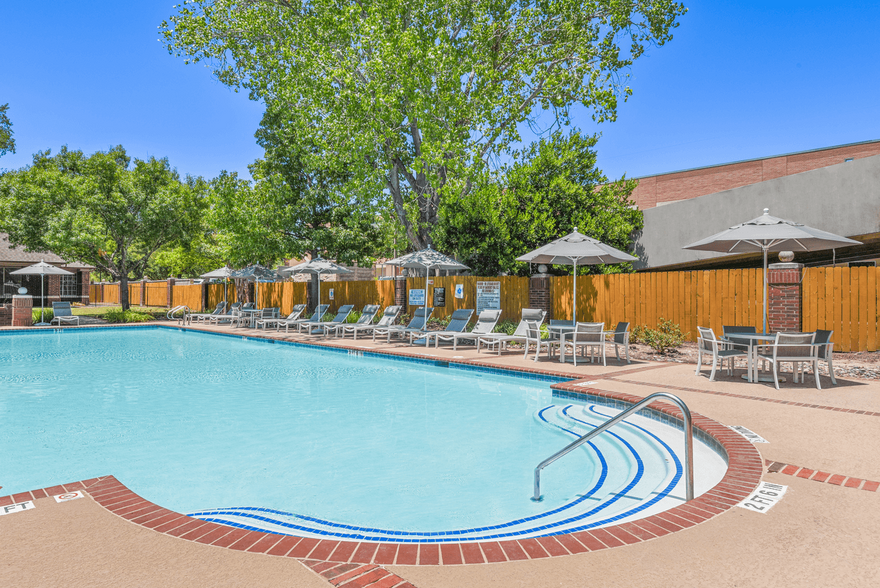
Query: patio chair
[[533, 337], [585, 336], [499, 341], [417, 325], [367, 316], [457, 324], [317, 326], [320, 311], [276, 321], [63, 314], [619, 338], [729, 334], [823, 339], [200, 317], [486, 322], [388, 317], [794, 348], [216, 319], [721, 351]]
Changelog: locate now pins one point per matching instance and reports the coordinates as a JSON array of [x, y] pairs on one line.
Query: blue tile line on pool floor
[[621, 516], [238, 511]]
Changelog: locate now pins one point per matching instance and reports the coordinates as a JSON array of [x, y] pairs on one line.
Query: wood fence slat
[[871, 311]]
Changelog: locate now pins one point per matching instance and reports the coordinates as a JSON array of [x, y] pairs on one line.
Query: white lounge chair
[[416, 325], [277, 321], [388, 317], [457, 324], [201, 317], [63, 314], [313, 327], [319, 313], [366, 318], [499, 341], [228, 317]]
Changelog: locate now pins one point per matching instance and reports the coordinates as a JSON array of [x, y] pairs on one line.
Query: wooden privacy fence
[[843, 300], [281, 294], [514, 294], [705, 298]]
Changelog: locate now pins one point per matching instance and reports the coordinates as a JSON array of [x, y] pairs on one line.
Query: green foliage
[[48, 315], [552, 188], [666, 336], [418, 98], [507, 327], [118, 315], [7, 142], [101, 209]]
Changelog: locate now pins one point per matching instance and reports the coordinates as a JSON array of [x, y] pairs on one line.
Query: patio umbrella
[[427, 259], [255, 272], [576, 249], [223, 272], [768, 233], [316, 266], [41, 269]]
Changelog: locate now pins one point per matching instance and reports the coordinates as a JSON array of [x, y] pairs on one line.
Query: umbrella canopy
[[427, 259], [41, 269], [255, 272], [316, 266], [768, 233], [576, 249], [223, 272]]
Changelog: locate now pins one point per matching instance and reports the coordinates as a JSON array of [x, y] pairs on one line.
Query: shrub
[[666, 336], [506, 326], [117, 315], [48, 315]]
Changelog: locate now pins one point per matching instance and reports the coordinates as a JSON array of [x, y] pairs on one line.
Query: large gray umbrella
[[427, 259], [768, 233], [576, 249], [255, 272], [316, 266], [224, 272], [41, 269]]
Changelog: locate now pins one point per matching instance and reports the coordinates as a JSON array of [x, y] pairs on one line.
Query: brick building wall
[[655, 190]]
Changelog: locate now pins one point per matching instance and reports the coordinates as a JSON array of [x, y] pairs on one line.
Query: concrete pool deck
[[821, 532]]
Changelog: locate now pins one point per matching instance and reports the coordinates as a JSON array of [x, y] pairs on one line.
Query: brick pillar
[[53, 290], [84, 285], [170, 292], [400, 292], [5, 315], [539, 294], [784, 297], [22, 310]]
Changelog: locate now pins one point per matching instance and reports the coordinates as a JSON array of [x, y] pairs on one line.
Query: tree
[[420, 96], [100, 209], [7, 142], [552, 188]]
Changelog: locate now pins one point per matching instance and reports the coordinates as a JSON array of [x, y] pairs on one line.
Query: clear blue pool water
[[307, 441]]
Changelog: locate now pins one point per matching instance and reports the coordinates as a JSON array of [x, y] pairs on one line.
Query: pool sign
[[68, 496], [764, 497], [488, 296], [417, 297], [331, 293], [459, 290], [17, 507]]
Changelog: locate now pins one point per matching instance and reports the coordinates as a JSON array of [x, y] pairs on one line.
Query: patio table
[[251, 315], [754, 343]]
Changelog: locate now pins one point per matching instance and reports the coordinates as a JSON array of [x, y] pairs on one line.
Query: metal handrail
[[688, 443], [170, 314]]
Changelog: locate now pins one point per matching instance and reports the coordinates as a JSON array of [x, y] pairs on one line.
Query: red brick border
[[777, 467]]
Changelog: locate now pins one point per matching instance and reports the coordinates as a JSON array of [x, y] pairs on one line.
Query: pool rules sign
[[488, 296]]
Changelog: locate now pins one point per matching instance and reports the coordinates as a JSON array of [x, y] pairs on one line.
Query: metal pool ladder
[[688, 442]]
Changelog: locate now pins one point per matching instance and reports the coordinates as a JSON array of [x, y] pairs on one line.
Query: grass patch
[[117, 315]]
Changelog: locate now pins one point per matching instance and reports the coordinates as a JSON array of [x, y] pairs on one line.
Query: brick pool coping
[[745, 468]]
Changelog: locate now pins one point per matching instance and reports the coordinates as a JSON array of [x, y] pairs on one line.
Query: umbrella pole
[[765, 290], [42, 298], [574, 293]]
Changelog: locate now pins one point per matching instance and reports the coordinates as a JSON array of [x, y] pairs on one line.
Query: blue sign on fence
[[417, 297]]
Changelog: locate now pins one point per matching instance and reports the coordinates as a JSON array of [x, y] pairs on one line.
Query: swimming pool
[[308, 441]]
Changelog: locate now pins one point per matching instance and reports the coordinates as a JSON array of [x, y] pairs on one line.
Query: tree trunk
[[123, 291]]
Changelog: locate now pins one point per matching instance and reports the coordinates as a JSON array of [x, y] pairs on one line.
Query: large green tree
[[100, 209], [420, 96], [7, 142], [552, 188]]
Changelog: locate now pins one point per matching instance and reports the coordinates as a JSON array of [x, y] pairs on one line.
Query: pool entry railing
[[688, 442]]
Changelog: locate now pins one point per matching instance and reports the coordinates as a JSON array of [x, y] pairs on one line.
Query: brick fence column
[[22, 311], [5, 315], [85, 292], [170, 292], [53, 289], [400, 292], [539, 294], [784, 297]]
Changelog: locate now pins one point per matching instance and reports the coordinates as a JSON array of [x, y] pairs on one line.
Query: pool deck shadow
[[824, 531]]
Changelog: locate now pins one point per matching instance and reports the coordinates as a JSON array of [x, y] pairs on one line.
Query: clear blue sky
[[739, 80]]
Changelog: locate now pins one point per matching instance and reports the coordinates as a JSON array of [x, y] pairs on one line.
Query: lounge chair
[[316, 317], [416, 325], [200, 317], [63, 314], [216, 319], [456, 326], [366, 318], [317, 326], [388, 317], [277, 321], [499, 340]]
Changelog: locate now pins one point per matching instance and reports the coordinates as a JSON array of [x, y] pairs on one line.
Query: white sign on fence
[[417, 297], [459, 290], [488, 296]]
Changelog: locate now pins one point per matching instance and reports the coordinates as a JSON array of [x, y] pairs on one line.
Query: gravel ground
[[864, 365]]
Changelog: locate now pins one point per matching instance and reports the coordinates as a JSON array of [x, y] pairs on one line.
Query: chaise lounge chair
[[367, 316], [416, 325], [317, 326], [499, 341], [485, 324], [277, 321], [316, 317], [63, 314], [457, 324], [216, 319], [388, 317], [200, 317]]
